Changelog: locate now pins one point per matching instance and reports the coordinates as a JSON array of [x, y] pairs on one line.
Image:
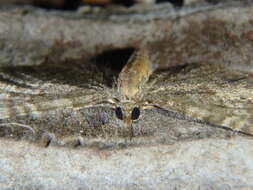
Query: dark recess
[[61, 4], [74, 4], [126, 3], [114, 59], [176, 3]]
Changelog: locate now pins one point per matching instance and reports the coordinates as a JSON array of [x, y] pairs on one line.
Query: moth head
[[128, 114], [127, 111]]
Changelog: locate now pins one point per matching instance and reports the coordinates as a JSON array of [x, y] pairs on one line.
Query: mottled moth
[[62, 102]]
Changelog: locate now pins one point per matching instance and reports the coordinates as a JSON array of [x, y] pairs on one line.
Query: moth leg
[[73, 141], [11, 125], [48, 139], [94, 85]]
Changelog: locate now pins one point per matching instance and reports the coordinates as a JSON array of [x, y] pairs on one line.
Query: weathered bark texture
[[220, 33]]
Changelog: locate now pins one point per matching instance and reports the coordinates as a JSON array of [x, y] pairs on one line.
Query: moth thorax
[[135, 74], [129, 89]]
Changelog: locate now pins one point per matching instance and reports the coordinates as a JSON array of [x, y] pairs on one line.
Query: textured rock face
[[204, 164], [191, 34], [199, 157]]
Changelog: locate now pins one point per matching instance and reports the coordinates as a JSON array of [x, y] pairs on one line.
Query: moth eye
[[135, 113], [119, 113]]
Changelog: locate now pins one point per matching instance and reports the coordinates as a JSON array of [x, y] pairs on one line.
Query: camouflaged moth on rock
[[59, 103]]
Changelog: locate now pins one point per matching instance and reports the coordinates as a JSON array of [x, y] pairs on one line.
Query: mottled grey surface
[[204, 164]]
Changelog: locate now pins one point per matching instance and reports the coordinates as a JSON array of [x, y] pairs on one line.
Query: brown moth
[[130, 84], [66, 102]]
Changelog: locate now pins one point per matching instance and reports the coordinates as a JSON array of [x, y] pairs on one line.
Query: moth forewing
[[211, 94], [17, 105]]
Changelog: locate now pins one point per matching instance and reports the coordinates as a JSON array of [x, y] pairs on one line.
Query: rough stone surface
[[191, 34], [204, 164]]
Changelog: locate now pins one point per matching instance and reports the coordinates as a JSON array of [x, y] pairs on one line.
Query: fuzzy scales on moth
[[207, 93], [131, 82], [202, 93]]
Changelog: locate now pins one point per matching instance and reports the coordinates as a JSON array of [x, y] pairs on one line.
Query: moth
[[59, 103]]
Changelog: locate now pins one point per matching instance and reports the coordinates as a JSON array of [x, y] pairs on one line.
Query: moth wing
[[34, 91], [212, 94]]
